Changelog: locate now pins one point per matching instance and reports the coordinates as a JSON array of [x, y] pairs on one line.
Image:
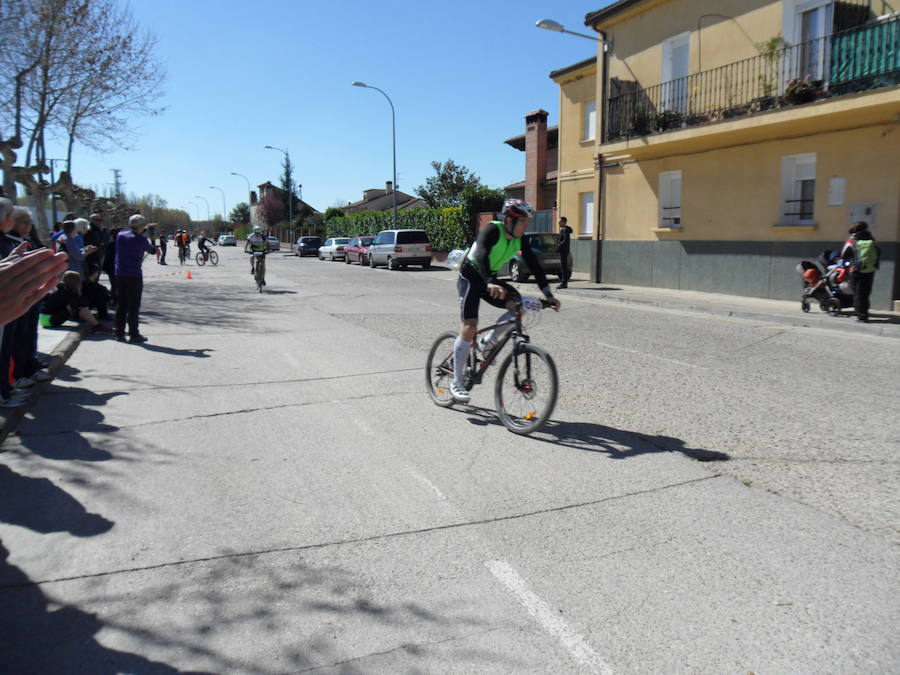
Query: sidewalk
[[56, 343], [787, 312]]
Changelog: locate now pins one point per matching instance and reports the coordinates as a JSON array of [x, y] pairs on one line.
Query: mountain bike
[[184, 254], [211, 255], [259, 270], [527, 384]]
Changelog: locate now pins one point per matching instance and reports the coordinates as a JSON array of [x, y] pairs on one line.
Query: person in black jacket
[[68, 303], [563, 247], [109, 266]]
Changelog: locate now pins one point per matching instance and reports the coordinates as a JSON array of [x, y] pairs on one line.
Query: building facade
[[736, 137]]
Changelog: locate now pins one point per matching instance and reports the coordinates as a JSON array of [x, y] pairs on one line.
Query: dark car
[[357, 248], [544, 246], [307, 246]]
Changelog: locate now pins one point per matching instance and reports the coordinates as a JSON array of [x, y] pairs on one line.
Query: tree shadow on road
[[39, 636], [590, 437], [39, 505]]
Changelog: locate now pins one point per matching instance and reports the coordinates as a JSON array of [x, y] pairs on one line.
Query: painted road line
[[547, 618]]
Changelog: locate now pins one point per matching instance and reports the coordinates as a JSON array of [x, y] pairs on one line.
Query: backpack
[[867, 256]]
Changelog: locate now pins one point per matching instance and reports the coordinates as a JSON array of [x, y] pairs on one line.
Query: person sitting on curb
[[68, 303]]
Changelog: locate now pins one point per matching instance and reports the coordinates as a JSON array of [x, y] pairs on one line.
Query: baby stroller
[[828, 282]]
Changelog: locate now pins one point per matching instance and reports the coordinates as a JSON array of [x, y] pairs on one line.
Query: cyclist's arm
[[535, 266]]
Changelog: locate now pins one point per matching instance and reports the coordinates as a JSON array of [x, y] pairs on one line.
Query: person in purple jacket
[[131, 245]]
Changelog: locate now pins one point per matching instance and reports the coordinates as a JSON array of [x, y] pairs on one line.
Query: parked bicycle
[[527, 384], [210, 256]]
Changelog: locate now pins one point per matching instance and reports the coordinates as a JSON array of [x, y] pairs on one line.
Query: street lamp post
[[603, 65], [213, 187], [196, 207], [207, 205], [290, 197], [393, 140]]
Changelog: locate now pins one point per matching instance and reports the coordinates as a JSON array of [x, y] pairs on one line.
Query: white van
[[400, 248]]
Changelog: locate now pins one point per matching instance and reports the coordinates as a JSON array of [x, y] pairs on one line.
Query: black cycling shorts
[[472, 290]]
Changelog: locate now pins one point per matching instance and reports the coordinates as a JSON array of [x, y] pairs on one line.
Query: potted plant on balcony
[[668, 119], [640, 123], [804, 90], [772, 52]]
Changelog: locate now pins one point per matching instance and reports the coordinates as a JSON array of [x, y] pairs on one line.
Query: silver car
[[400, 248], [333, 248]]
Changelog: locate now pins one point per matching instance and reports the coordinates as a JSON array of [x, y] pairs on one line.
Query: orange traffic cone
[[190, 276]]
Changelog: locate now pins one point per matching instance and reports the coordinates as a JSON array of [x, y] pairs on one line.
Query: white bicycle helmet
[[517, 208]]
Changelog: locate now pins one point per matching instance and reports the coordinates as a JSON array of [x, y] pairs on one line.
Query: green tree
[[333, 212], [287, 187], [475, 200], [446, 187], [240, 213]]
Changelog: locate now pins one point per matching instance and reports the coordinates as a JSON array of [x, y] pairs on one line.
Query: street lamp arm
[[550, 24]]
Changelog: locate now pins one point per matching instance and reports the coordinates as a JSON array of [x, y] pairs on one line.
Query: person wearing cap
[[131, 245]]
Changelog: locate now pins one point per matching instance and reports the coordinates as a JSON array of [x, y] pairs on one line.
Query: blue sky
[[242, 75]]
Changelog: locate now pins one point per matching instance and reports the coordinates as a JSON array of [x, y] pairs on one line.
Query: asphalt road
[[265, 487]]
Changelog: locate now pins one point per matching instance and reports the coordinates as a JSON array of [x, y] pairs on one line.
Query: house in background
[[539, 143], [736, 137], [383, 200], [576, 178], [267, 189]]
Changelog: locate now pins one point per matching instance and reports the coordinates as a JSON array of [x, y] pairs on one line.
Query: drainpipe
[[597, 268]]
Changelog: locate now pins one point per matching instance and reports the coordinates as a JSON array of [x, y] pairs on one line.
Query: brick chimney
[[535, 157]]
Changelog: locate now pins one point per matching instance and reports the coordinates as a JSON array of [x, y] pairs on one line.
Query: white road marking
[[427, 482], [650, 356], [547, 618]]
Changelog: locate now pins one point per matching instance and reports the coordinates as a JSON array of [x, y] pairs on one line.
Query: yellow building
[[734, 138]]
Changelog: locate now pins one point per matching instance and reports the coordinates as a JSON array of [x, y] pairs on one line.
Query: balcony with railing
[[863, 58]]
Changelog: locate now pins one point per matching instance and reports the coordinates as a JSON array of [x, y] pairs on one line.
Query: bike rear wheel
[[199, 259], [439, 369], [214, 257], [526, 388]]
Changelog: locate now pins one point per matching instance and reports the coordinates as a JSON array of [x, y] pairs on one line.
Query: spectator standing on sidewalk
[[109, 265], [93, 237], [131, 245], [162, 249], [23, 347], [70, 242], [563, 247], [865, 257]]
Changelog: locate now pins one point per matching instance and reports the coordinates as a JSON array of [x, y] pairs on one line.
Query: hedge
[[445, 227]]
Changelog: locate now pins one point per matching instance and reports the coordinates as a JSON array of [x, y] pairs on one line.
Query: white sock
[[460, 354]]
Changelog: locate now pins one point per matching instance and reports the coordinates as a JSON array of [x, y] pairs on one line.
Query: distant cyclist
[[497, 243], [201, 244], [256, 243]]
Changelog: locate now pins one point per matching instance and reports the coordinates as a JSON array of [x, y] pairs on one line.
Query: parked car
[[307, 246], [544, 246], [227, 240], [333, 248], [400, 248], [357, 249], [273, 243]]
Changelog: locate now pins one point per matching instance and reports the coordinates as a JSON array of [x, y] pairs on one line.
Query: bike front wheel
[[526, 388], [214, 257], [439, 369]]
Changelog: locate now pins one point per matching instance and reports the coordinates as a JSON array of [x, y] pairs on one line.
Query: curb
[[11, 418], [889, 330]]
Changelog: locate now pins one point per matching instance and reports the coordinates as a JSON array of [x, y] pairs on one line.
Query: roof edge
[[575, 66], [592, 18]]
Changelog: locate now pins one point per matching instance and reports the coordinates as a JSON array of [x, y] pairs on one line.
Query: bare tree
[[69, 69]]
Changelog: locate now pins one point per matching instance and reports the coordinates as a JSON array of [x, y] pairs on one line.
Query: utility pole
[[117, 183]]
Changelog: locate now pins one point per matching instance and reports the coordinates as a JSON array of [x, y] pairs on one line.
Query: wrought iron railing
[[853, 60]]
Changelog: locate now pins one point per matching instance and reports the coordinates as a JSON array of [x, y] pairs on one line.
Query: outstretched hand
[[25, 278]]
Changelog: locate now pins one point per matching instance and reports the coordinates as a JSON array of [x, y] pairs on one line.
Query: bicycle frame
[[478, 366]]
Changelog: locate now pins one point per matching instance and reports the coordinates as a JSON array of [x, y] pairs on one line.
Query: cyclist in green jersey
[[497, 242]]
